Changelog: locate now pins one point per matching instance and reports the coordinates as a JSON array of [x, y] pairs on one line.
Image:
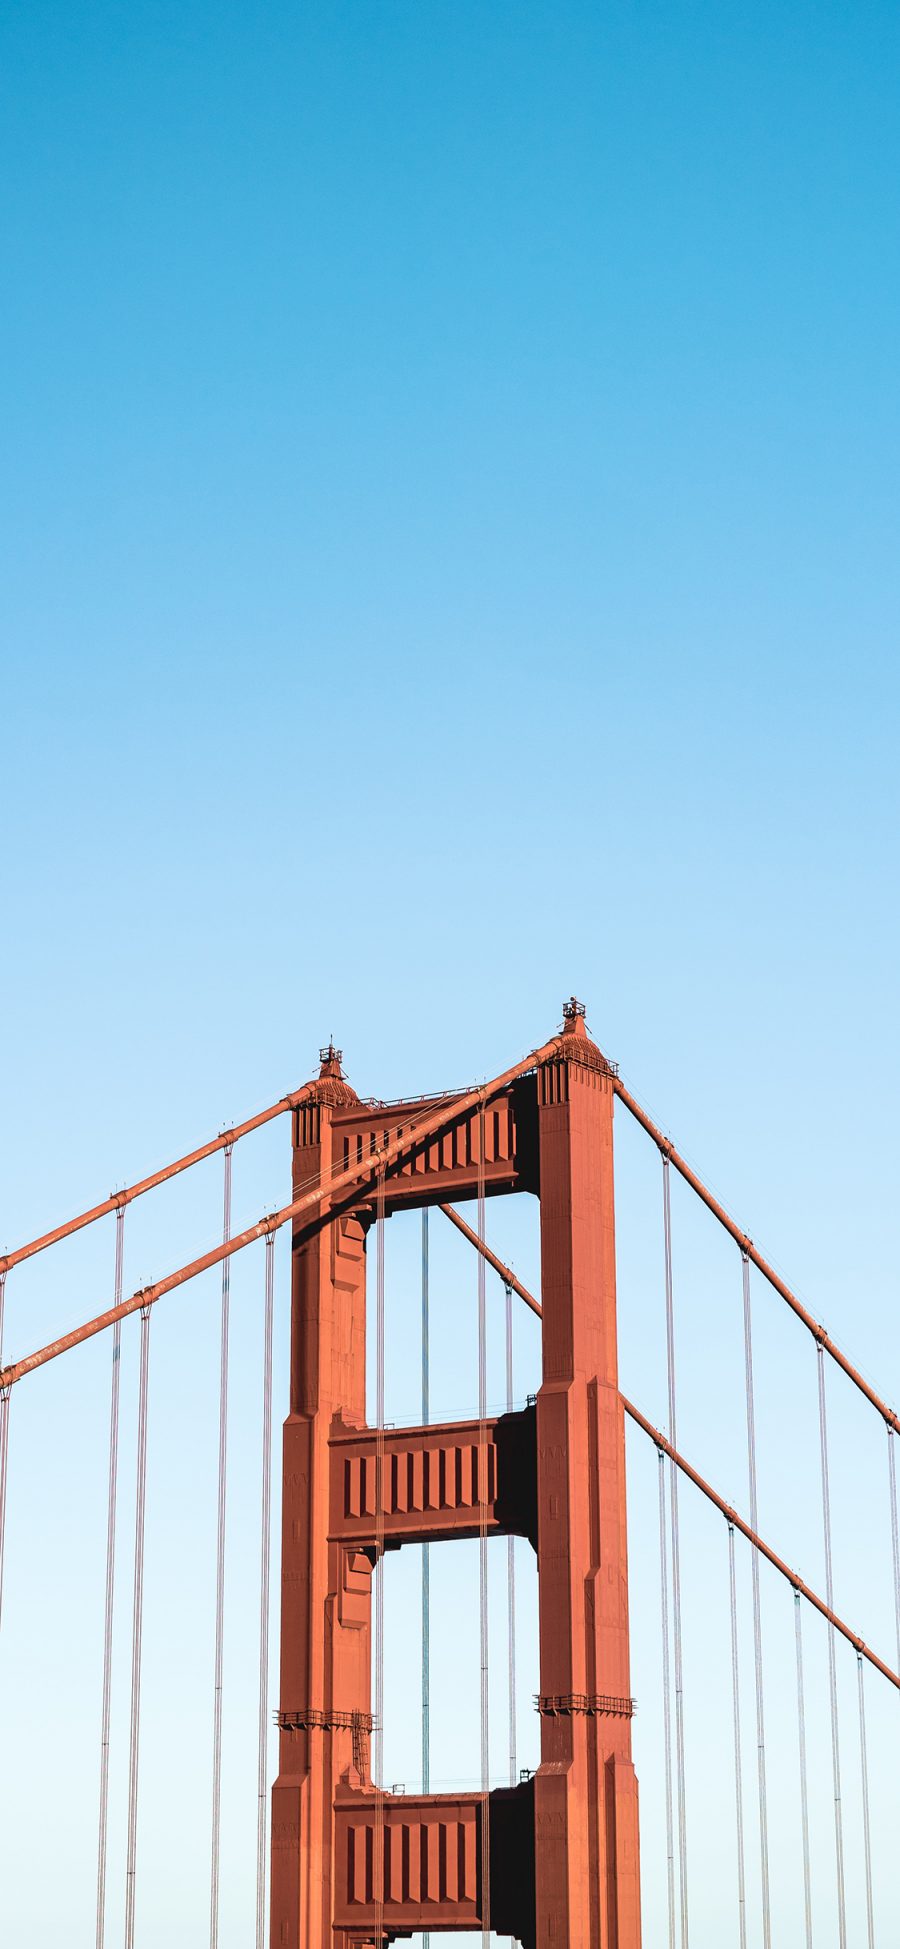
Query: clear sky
[[449, 507]]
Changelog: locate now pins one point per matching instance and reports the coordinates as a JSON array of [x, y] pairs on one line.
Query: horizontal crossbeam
[[436, 1482]]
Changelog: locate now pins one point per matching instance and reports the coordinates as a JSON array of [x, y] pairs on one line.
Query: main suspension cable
[[220, 1563], [676, 1562], [864, 1779], [823, 1339], [757, 1616], [483, 1493], [738, 1767], [137, 1625], [387, 1156], [426, 1561], [112, 1499], [832, 1662], [667, 1694], [804, 1788]]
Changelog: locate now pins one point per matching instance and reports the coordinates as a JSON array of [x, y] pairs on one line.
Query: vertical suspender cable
[[5, 1395], [426, 1562], [804, 1790], [757, 1618], [864, 1777], [483, 1491], [265, 1562], [895, 1531], [220, 1565], [738, 1770], [112, 1498], [667, 1695], [511, 1575], [511, 1563], [378, 1733], [832, 1666], [137, 1627], [676, 1562]]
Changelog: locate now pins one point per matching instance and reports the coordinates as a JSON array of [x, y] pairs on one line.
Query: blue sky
[[449, 499]]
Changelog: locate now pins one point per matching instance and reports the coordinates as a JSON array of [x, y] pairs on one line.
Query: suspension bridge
[[558, 1855]]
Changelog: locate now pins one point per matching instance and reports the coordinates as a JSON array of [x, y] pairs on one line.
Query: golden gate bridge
[[558, 1855]]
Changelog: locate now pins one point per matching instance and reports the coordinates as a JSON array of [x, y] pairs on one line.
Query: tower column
[[325, 1702], [586, 1813]]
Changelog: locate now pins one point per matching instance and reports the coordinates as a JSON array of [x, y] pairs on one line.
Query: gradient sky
[[449, 507]]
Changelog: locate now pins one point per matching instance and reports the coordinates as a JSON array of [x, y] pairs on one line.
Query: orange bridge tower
[[354, 1867]]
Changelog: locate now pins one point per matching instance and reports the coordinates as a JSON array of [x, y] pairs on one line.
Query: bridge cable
[[676, 1563], [112, 1500], [667, 1694], [864, 1777], [264, 1579], [804, 1789], [757, 1616], [137, 1625], [738, 1768], [832, 1665], [511, 1563], [426, 1562], [483, 1493], [895, 1531], [5, 1398], [220, 1562], [378, 1733]]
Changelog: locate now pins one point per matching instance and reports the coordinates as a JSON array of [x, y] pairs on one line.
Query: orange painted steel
[[384, 1157], [762, 1265], [707, 1489], [353, 1865], [508, 1277], [119, 1199], [759, 1544]]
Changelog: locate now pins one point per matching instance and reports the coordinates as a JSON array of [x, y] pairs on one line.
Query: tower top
[[331, 1085], [575, 1045], [331, 1059], [573, 1018]]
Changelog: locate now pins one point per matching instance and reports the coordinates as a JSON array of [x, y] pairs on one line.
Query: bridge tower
[[353, 1868]]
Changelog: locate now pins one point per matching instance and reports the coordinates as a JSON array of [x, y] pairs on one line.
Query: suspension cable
[[511, 1566], [676, 1562], [667, 1695], [265, 1565], [426, 1561], [378, 1733], [126, 1197], [137, 1626], [864, 1778], [895, 1531], [804, 1788], [738, 1768], [220, 1563], [757, 1616], [112, 1498], [832, 1663], [387, 1156], [483, 1556], [823, 1339]]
